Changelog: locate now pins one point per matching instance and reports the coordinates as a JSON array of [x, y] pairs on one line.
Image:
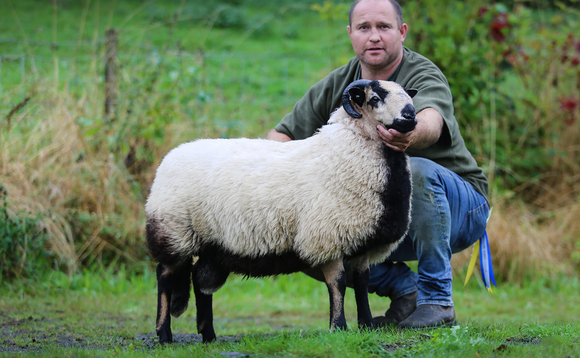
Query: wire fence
[[257, 78]]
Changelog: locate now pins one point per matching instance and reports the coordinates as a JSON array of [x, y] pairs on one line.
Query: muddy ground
[[35, 334]]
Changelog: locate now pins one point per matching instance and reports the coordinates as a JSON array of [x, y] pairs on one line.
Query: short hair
[[396, 6]]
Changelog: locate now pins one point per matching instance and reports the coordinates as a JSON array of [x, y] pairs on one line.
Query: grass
[[113, 314], [222, 70], [189, 76], [189, 70], [88, 176]]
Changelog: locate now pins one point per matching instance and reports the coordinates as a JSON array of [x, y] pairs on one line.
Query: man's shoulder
[[339, 78], [417, 68], [413, 58]]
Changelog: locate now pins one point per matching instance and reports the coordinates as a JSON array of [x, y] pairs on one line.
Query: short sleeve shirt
[[415, 71]]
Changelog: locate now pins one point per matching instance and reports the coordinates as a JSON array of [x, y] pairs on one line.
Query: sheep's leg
[[360, 275], [163, 322], [207, 278], [203, 304], [335, 278]]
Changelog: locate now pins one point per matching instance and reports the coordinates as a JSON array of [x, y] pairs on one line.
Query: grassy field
[[113, 314], [191, 69], [76, 279]]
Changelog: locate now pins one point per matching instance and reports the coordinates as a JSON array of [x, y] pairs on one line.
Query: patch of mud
[[9, 339], [517, 341], [34, 335], [392, 347], [150, 340]]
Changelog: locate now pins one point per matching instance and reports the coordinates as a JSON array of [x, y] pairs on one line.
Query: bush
[[23, 242], [514, 81]]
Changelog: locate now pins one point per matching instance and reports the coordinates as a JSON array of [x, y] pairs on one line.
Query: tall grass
[[87, 200], [87, 176], [186, 74]]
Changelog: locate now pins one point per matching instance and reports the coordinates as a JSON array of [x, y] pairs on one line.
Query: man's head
[[396, 6], [377, 33]]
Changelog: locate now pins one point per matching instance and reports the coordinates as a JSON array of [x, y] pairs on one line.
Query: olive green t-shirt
[[415, 71]]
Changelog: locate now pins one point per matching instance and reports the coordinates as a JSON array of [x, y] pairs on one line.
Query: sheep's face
[[385, 101]]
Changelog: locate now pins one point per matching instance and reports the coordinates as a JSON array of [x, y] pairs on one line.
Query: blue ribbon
[[485, 263]]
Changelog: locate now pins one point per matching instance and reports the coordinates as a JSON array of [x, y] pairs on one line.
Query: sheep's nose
[[408, 121], [408, 112]]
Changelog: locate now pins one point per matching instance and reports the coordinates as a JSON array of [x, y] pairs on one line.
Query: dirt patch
[[29, 341], [516, 341], [150, 340], [34, 335]]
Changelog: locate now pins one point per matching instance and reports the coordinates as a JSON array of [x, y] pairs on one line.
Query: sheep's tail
[[175, 267]]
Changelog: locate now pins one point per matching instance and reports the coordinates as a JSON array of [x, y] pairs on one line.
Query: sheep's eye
[[374, 99]]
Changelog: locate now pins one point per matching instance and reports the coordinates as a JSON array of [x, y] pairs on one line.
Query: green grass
[[231, 70], [232, 76], [113, 314]]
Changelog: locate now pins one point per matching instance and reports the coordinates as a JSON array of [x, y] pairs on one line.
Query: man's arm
[[278, 136], [426, 133]]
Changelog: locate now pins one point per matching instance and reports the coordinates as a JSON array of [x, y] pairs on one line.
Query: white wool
[[248, 194], [318, 197]]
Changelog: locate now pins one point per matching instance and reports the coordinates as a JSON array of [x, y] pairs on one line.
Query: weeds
[[23, 242]]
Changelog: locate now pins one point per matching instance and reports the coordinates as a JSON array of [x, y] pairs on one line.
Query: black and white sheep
[[258, 207]]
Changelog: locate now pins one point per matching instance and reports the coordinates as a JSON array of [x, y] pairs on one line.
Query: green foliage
[[507, 84], [231, 68], [23, 251], [219, 14], [336, 15]]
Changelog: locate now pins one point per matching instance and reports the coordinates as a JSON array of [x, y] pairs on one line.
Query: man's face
[[376, 37]]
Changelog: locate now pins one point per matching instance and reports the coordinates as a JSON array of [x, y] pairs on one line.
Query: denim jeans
[[447, 216]]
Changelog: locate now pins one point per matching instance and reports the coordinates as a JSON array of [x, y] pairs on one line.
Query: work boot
[[429, 316], [401, 308]]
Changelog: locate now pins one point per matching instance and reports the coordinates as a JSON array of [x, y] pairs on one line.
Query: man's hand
[[395, 140], [426, 133]]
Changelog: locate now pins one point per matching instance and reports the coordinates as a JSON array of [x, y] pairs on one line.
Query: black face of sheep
[[366, 95], [344, 196]]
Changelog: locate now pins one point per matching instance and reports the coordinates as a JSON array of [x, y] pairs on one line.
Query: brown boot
[[400, 309], [429, 316]]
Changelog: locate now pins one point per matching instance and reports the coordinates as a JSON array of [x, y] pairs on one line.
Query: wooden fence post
[[110, 74]]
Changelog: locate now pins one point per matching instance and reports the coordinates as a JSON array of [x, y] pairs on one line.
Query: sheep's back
[[253, 197]]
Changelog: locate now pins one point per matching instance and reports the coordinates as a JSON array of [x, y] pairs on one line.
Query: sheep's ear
[[411, 92], [357, 95]]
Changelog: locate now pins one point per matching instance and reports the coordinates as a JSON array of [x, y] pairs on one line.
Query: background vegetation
[[75, 277], [74, 181]]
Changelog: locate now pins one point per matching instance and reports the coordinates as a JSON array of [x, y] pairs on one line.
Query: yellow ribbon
[[471, 266]]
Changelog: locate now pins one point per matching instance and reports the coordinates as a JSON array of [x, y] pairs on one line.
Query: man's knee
[[428, 188], [423, 171]]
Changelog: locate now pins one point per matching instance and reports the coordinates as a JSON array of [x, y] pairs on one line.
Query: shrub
[[23, 242], [514, 83]]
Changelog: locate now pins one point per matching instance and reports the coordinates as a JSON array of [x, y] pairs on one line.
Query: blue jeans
[[447, 216]]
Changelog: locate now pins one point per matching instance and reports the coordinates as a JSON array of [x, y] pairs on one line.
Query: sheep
[[258, 207]]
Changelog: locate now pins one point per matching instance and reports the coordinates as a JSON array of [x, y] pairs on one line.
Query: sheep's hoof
[[208, 338], [165, 338], [367, 326]]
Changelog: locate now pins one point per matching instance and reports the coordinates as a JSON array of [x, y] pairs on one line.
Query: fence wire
[[257, 78]]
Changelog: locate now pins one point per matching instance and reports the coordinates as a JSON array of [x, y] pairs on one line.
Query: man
[[449, 190]]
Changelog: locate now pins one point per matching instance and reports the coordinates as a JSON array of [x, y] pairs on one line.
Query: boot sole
[[441, 325]]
